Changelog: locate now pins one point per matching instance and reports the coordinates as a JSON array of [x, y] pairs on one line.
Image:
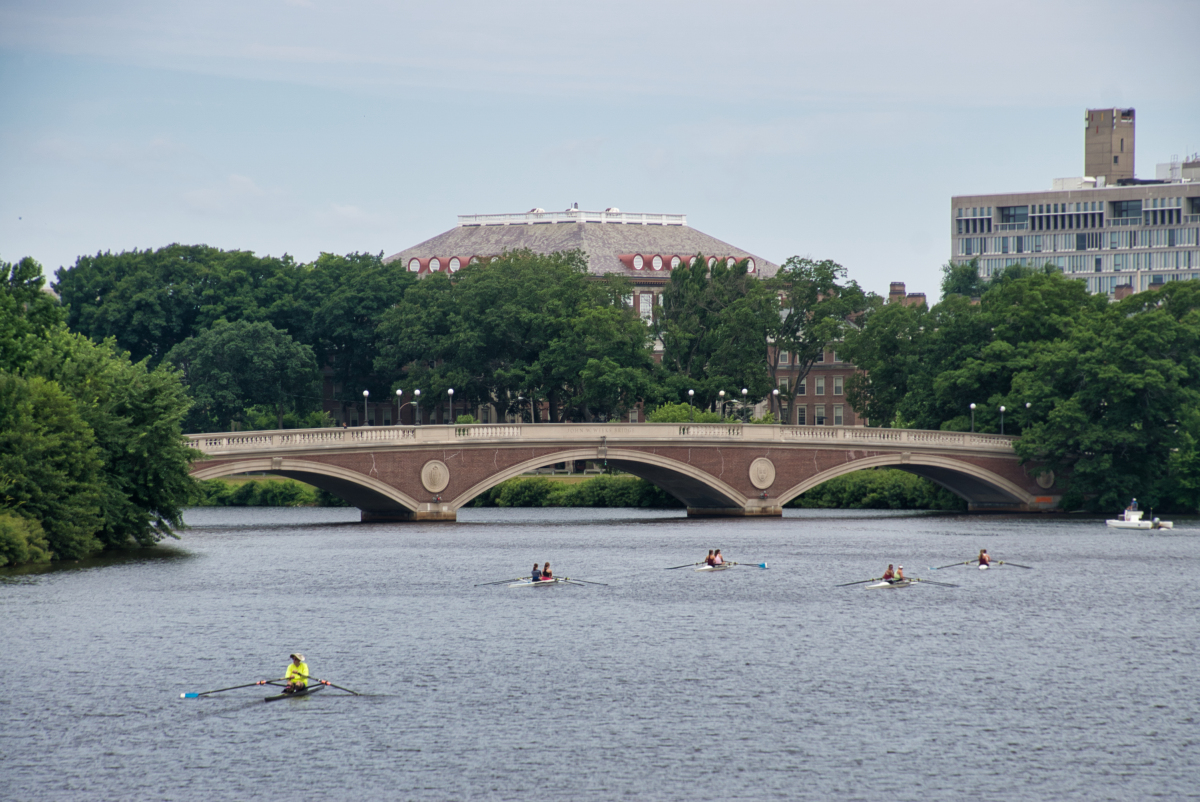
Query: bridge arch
[[980, 487], [694, 487], [370, 495]]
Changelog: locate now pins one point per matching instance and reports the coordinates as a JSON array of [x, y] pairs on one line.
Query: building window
[[485, 414], [638, 262], [820, 357], [435, 265], [414, 265], [801, 415], [656, 263], [820, 385], [837, 415], [819, 417], [633, 416], [646, 300], [455, 264], [837, 385], [783, 357], [675, 262], [802, 388]]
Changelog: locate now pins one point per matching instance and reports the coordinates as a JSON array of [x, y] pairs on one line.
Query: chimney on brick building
[[896, 292]]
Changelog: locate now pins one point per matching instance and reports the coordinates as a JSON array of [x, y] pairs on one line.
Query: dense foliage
[[599, 491], [90, 442], [1104, 394], [880, 489], [267, 493]]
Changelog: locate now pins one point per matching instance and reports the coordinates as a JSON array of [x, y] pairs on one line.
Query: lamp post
[[972, 419], [450, 392], [366, 395], [1001, 419], [775, 401], [416, 407], [744, 392], [721, 395], [399, 398], [691, 409]]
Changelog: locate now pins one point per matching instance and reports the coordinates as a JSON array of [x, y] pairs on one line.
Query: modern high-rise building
[[1106, 227]]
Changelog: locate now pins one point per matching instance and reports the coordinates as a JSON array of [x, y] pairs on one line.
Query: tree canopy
[[91, 448]]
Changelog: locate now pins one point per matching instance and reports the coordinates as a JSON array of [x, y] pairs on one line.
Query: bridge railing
[[548, 433]]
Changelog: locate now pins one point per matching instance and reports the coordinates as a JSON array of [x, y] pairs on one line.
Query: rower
[[297, 674], [546, 572], [709, 559], [984, 559], [889, 574], [536, 575], [899, 572], [717, 558]]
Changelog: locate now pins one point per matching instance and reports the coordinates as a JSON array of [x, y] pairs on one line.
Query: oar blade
[[951, 565], [1016, 565], [860, 582], [676, 567]]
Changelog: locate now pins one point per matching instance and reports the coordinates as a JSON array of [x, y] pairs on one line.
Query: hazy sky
[[833, 130]]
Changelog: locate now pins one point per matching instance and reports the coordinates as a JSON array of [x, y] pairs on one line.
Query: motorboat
[[1132, 519]]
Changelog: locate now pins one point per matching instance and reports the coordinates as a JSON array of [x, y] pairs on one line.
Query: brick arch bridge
[[426, 473]]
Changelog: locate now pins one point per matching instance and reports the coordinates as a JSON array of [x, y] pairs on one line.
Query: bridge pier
[[756, 508], [428, 511]]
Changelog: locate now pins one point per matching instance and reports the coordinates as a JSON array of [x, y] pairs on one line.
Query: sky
[[825, 130]]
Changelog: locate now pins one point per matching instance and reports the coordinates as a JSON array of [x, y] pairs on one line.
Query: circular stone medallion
[[435, 476], [762, 473], [1045, 480]]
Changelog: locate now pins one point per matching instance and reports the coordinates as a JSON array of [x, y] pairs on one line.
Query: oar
[[931, 582], [339, 687], [588, 581], [951, 565], [760, 565], [1014, 565], [861, 582], [502, 581], [674, 567], [231, 688]]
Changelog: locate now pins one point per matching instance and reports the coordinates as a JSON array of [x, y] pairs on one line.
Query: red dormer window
[[656, 262]]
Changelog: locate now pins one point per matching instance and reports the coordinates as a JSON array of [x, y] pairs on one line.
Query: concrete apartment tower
[[1108, 145]]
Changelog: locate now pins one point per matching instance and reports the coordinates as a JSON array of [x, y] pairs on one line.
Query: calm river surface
[[1074, 680]]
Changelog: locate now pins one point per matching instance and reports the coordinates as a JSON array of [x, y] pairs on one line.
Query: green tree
[[347, 297], [525, 326], [815, 310], [962, 279], [714, 326], [150, 301], [235, 366]]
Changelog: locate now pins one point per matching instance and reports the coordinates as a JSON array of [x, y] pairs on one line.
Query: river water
[[1073, 680]]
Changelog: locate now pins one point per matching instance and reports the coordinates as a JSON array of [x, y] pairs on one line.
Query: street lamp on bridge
[[366, 395], [1001, 419], [416, 402], [721, 395], [744, 392], [451, 393], [691, 409], [775, 402], [972, 419]]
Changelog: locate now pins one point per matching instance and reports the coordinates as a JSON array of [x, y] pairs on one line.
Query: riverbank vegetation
[[92, 454], [1106, 395]]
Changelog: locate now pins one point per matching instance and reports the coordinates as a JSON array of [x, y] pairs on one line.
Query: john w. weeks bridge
[[425, 473]]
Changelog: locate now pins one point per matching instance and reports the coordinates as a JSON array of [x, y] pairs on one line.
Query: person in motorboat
[[536, 574], [546, 574], [709, 559], [889, 574], [296, 675], [1132, 506], [984, 559], [717, 558]]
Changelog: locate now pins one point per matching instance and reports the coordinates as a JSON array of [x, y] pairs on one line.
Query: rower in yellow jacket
[[297, 674]]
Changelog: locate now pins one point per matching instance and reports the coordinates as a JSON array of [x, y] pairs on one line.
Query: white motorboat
[[1132, 519], [887, 584]]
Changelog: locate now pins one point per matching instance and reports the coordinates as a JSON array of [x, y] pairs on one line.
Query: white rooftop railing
[[610, 434], [572, 216]]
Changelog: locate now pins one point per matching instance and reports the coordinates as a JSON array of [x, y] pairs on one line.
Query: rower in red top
[[546, 572], [709, 559], [889, 574], [984, 559]]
